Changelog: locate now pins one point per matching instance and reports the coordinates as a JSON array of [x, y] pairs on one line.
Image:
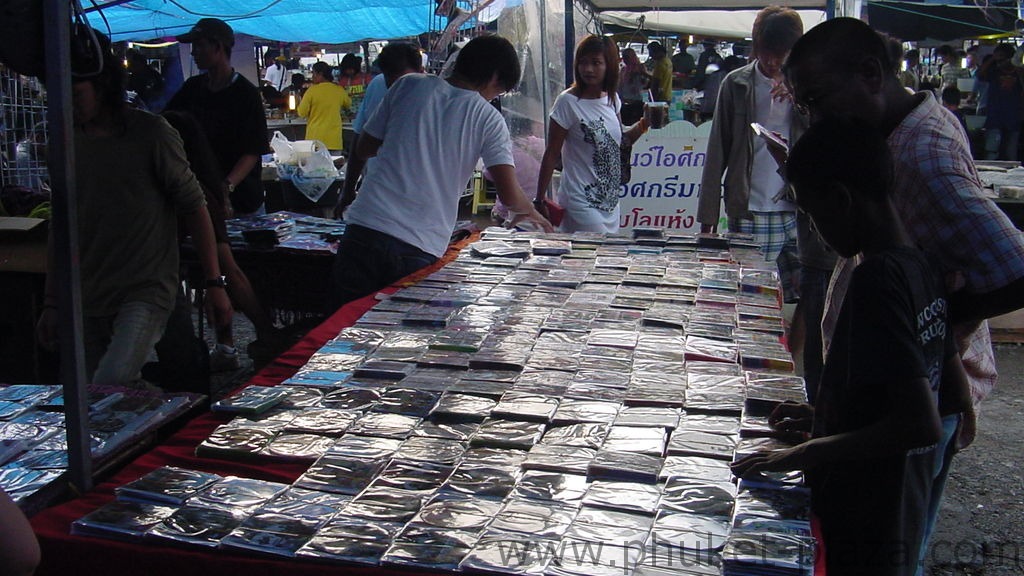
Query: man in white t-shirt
[[276, 75], [427, 136]]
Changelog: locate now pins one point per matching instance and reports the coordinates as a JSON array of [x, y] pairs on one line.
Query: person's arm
[[634, 132], [201, 229], [709, 199], [305, 105], [553, 151], [969, 307], [19, 549], [241, 169], [911, 422], [353, 170], [955, 396], [367, 146], [511, 195]]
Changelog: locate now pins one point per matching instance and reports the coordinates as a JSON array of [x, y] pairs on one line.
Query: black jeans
[[369, 260]]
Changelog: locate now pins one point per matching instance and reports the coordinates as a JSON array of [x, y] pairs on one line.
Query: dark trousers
[[369, 260]]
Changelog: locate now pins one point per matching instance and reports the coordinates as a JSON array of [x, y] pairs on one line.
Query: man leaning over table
[[403, 217]]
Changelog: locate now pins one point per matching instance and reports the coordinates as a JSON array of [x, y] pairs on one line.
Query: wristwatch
[[218, 282], [229, 185]]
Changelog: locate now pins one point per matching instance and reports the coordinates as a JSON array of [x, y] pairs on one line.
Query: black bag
[[626, 163]]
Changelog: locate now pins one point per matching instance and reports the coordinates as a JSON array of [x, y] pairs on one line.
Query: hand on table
[[770, 461], [532, 216], [792, 417]]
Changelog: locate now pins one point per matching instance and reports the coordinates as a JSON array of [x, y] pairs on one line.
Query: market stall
[[532, 390]]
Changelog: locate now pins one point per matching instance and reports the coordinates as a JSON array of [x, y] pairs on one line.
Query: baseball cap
[[212, 29]]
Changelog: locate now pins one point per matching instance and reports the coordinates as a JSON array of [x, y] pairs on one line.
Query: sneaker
[[224, 358]]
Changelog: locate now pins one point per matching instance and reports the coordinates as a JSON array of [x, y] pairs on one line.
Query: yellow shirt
[[662, 80], [322, 105]]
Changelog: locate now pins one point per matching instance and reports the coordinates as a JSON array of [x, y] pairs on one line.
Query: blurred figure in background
[[323, 104], [633, 79], [661, 72]]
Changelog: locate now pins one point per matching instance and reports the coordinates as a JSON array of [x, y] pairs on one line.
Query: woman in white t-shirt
[[586, 132]]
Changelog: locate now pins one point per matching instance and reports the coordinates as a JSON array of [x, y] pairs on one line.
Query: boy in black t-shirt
[[870, 460]]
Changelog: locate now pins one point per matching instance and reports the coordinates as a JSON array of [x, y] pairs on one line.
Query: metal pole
[[570, 40], [64, 234]]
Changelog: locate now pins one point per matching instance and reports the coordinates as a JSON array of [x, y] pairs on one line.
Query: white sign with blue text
[[666, 170]]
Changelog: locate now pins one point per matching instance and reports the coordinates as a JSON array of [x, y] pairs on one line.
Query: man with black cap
[[230, 110]]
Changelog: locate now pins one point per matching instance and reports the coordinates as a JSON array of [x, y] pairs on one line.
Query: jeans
[[813, 287], [117, 346], [1001, 144], [369, 260], [944, 452]]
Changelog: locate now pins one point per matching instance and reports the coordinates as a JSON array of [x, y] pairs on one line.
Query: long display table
[[447, 388]]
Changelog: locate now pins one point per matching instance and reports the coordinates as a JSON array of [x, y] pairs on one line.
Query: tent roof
[[705, 5], [711, 23], [324, 21], [916, 21]]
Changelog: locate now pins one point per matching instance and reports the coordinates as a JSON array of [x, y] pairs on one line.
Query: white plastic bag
[[316, 173], [318, 164], [312, 188], [283, 149]]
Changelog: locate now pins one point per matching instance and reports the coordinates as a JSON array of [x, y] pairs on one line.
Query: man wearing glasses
[[841, 68]]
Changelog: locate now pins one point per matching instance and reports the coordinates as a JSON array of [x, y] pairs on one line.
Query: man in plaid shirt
[[841, 68]]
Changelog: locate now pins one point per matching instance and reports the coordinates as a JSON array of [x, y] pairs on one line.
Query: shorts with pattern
[[776, 232]]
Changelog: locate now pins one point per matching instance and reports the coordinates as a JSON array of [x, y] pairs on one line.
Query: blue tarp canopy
[[323, 21]]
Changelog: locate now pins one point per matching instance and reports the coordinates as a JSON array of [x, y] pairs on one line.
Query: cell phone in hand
[[769, 136]]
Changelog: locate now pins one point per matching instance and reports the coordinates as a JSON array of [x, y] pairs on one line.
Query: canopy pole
[[570, 40], [64, 234]]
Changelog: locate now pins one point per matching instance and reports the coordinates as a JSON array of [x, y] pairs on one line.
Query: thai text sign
[[666, 170]]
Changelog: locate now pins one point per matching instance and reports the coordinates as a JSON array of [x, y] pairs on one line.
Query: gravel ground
[[981, 527]]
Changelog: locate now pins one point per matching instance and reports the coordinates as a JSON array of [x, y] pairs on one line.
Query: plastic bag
[[316, 174], [312, 188], [318, 164], [283, 149]]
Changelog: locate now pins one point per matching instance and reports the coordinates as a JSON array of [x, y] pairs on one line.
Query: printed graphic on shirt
[[931, 324], [604, 193]]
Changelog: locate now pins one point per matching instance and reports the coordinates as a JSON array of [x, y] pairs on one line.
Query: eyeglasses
[[811, 99], [804, 105]]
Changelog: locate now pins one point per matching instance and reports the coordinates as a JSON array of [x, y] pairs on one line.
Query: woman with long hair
[[586, 132]]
